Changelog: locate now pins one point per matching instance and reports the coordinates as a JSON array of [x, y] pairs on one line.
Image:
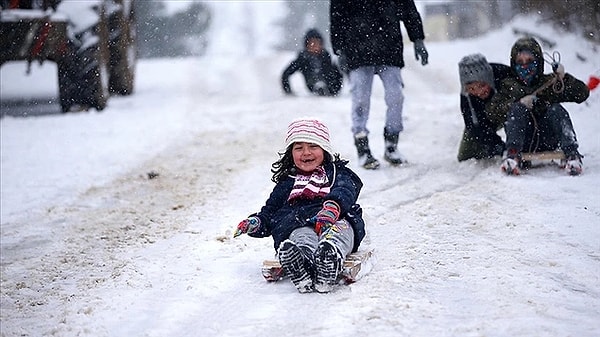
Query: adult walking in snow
[[367, 35], [321, 75], [312, 212], [536, 121], [479, 80]]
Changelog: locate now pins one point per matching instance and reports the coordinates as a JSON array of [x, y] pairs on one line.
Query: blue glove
[[247, 226], [421, 51]]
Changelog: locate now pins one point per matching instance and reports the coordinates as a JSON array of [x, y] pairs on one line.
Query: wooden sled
[[543, 156], [356, 266], [533, 159]]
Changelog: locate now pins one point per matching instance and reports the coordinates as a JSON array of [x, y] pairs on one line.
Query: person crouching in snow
[[536, 121], [322, 77], [479, 80], [311, 213]]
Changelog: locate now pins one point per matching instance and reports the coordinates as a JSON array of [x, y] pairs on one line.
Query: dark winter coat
[[512, 89], [480, 138], [314, 68], [279, 218], [368, 33]]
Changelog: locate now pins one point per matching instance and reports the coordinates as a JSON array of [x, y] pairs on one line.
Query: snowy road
[[460, 249]]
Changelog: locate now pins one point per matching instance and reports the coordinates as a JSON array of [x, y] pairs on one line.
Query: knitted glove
[[528, 101], [326, 217], [559, 70], [421, 51], [248, 226]]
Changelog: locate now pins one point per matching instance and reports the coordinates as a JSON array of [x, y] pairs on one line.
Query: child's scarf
[[310, 186]]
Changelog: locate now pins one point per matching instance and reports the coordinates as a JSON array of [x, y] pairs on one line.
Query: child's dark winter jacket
[[480, 137], [513, 89], [321, 75], [279, 218], [477, 122]]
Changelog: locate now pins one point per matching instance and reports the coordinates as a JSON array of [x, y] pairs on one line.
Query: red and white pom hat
[[309, 130]]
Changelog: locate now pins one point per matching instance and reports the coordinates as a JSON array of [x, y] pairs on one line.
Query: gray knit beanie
[[475, 68]]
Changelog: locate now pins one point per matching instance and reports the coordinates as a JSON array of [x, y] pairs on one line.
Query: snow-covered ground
[[90, 246]]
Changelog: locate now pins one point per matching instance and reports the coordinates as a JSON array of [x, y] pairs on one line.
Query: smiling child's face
[[307, 156]]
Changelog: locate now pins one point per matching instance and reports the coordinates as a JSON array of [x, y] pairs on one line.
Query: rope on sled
[[557, 83], [558, 86]]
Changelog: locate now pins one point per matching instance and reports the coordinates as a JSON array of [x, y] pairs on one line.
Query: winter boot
[[392, 155], [297, 266], [573, 163], [328, 264], [365, 159], [512, 162]]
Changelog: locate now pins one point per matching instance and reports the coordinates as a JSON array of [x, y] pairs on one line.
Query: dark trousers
[[549, 132]]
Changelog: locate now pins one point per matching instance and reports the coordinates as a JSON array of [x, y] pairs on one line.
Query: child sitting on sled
[[312, 212], [322, 76], [536, 120]]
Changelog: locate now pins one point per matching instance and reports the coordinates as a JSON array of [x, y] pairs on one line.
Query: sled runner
[[356, 266]]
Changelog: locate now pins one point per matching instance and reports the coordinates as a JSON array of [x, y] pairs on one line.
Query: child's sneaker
[[328, 263], [574, 164], [296, 265], [511, 164]]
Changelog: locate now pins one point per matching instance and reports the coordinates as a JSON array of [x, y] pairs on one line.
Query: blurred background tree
[[581, 16], [183, 33], [460, 19], [160, 34], [302, 16]]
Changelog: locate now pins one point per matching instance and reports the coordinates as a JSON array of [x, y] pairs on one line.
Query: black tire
[[69, 91], [122, 49], [92, 78], [93, 71], [83, 69], [80, 78]]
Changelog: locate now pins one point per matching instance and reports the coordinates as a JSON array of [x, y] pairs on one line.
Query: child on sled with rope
[[536, 121]]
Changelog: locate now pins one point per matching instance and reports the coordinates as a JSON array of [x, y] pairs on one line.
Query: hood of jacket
[[531, 45], [312, 33]]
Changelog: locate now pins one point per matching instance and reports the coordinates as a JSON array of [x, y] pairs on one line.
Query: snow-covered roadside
[[461, 250]]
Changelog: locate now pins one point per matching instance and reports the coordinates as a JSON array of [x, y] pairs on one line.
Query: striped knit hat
[[309, 130]]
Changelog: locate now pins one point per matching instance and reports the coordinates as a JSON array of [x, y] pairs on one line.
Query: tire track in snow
[[94, 236]]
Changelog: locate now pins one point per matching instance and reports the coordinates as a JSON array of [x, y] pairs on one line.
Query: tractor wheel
[[69, 90], [122, 49], [93, 72]]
